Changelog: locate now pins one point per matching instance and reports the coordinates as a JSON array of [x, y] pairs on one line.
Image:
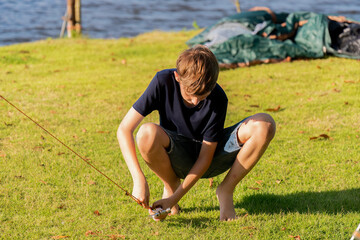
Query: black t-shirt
[[202, 122]]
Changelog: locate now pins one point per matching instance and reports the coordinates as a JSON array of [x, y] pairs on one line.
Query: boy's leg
[[255, 133], [152, 142]]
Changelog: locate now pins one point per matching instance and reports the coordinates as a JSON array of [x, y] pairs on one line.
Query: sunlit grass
[[80, 89]]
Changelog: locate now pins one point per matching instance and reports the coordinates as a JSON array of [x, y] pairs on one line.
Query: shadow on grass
[[330, 202]]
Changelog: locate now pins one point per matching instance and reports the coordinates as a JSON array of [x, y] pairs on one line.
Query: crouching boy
[[190, 142]]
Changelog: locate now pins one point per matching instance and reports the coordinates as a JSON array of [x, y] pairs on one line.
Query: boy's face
[[190, 100]]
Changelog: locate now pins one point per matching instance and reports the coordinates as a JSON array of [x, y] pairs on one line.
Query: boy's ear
[[176, 76]]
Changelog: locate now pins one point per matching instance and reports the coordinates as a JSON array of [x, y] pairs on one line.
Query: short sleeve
[[149, 100]]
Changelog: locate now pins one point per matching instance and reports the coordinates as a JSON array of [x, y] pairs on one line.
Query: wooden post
[[237, 4], [77, 14], [70, 16], [73, 17]]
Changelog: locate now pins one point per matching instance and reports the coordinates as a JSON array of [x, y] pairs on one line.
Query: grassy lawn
[[302, 188]]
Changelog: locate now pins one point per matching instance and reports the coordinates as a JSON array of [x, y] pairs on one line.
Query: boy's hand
[[164, 204], [142, 193]]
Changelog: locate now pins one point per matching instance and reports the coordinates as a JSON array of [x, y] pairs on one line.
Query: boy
[[190, 142]]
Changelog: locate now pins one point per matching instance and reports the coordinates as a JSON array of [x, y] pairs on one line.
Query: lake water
[[30, 20]]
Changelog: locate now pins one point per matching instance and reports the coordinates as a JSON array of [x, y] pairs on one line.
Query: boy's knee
[[145, 137], [265, 125]]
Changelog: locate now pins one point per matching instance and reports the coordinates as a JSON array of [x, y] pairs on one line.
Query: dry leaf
[[53, 112], [2, 154], [301, 132], [259, 182], [59, 237], [278, 181], [254, 188], [60, 153], [123, 61], [255, 106], [97, 213], [211, 181], [283, 229], [349, 81], [249, 227], [103, 132], [91, 183], [325, 136], [273, 109], [43, 182], [336, 90], [84, 130], [88, 233], [116, 236], [62, 206], [38, 148], [295, 237]]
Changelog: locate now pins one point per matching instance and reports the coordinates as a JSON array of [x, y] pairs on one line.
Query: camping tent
[[259, 36]]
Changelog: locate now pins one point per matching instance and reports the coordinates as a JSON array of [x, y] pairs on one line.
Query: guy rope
[[81, 157]]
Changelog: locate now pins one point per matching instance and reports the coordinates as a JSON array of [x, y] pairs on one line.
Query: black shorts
[[183, 152]]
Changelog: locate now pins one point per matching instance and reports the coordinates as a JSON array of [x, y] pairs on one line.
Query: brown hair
[[198, 70]]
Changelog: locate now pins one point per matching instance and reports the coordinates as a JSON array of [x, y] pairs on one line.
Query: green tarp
[[240, 38]]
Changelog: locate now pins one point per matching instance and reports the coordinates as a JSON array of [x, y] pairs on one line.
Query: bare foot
[[227, 210], [167, 193]]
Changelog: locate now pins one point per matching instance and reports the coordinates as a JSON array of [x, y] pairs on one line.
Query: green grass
[[80, 89]]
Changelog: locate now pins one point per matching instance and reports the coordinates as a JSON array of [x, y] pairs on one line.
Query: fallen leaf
[[283, 229], [84, 130], [249, 227], [2, 154], [273, 109], [325, 136], [346, 103], [255, 106], [156, 234], [278, 181], [53, 112], [247, 96], [75, 136], [116, 236], [259, 182], [60, 153], [97, 213], [336, 90], [62, 206], [349, 81], [301, 132], [211, 181], [59, 237], [295, 237], [254, 188], [38, 148], [91, 183], [43, 182], [123, 61], [103, 132], [88, 233]]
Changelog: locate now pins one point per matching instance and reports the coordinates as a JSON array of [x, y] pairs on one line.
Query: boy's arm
[[197, 171], [127, 145]]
